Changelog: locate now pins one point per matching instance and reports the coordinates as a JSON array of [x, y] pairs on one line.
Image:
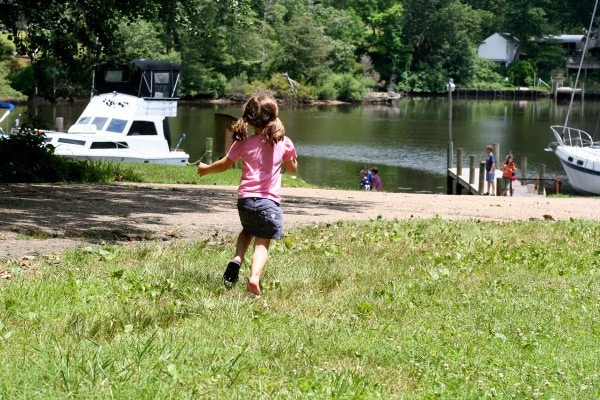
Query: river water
[[407, 141]]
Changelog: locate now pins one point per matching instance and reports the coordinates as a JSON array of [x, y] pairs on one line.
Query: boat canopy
[[141, 78]]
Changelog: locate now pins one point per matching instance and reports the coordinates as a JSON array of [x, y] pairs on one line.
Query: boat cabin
[[140, 78]]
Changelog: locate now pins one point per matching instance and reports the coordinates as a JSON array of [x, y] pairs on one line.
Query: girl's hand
[[202, 169]]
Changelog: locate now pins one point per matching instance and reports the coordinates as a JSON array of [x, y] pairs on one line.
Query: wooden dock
[[469, 183]]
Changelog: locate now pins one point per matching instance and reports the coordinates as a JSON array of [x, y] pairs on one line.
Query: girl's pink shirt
[[261, 166]]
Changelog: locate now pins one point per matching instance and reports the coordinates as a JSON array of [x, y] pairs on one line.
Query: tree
[[389, 52], [305, 50], [67, 38]]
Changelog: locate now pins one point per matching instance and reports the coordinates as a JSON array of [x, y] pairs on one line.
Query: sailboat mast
[[585, 46]]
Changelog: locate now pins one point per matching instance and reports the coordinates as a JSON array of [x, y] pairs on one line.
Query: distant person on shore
[[366, 178], [509, 168], [376, 183], [490, 170], [263, 154]]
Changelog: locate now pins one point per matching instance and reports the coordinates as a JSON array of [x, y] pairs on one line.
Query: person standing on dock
[[509, 168], [490, 170]]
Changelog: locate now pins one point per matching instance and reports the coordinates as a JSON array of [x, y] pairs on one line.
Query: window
[[116, 125], [162, 84], [109, 145], [161, 77], [144, 128], [72, 141], [116, 75], [99, 122]]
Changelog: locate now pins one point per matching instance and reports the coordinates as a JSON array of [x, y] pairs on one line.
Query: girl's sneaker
[[231, 274]]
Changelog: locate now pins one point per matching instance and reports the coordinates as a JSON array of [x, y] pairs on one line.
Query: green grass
[[381, 309], [170, 174]]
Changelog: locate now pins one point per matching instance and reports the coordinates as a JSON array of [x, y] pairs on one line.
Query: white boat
[[578, 153], [127, 120], [579, 156]]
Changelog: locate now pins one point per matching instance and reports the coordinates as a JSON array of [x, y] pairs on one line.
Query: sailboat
[[577, 151]]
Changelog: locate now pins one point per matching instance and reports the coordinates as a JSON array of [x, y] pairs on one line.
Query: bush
[[348, 87], [522, 73], [327, 91]]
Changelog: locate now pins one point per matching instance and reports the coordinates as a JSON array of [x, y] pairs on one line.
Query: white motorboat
[[579, 156], [127, 120]]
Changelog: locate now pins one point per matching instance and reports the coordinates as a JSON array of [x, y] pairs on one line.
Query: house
[[499, 47], [573, 44]]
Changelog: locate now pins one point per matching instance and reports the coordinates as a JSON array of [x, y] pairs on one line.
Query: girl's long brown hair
[[260, 112]]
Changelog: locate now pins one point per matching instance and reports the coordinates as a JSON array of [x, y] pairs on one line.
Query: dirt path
[[43, 218]]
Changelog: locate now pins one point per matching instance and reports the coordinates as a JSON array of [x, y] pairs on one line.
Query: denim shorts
[[262, 218]]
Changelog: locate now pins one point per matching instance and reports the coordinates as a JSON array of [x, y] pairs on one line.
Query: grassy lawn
[[415, 309], [170, 174]]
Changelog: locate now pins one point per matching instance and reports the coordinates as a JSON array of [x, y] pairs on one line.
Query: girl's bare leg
[[243, 242], [259, 259]]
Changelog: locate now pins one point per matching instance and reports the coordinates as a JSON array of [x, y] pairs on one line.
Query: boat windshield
[[116, 125], [98, 121]]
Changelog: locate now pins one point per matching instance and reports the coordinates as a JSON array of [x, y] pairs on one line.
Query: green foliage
[[143, 39], [547, 57], [345, 87], [488, 75], [415, 309], [203, 82], [522, 72], [305, 52], [26, 159], [425, 80], [409, 44], [236, 88], [389, 52], [6, 48], [23, 81], [327, 91]]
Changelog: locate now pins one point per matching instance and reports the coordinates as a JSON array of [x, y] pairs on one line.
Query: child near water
[[258, 204]]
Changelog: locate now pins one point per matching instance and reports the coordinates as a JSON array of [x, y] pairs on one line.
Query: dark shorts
[[262, 218]]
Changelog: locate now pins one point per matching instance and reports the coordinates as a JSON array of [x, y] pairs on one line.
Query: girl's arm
[[218, 166], [291, 166]]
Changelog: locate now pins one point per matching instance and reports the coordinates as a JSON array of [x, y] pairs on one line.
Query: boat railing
[[572, 136]]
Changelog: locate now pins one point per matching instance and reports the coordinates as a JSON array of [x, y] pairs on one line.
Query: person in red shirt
[[509, 168]]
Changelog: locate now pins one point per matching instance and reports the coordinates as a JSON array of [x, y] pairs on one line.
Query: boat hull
[[176, 158], [582, 167]]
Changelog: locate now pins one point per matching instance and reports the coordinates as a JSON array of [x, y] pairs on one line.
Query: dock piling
[[541, 179], [471, 170], [481, 176], [523, 169]]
